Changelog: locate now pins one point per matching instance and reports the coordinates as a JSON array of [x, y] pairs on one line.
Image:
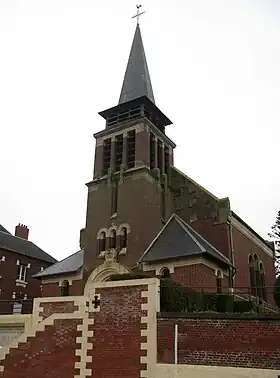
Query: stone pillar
[[98, 159]]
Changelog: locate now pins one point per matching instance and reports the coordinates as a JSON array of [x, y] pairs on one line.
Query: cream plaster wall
[[12, 326], [197, 371]]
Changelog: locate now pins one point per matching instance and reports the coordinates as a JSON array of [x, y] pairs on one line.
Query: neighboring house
[[142, 212], [20, 259]]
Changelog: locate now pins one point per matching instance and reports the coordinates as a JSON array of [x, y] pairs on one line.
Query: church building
[[144, 214]]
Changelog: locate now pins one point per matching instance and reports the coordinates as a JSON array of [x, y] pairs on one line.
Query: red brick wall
[[52, 289], [50, 354], [243, 247], [221, 342], [117, 333], [197, 276]]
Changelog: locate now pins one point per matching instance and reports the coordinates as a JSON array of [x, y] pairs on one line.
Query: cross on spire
[[138, 14]]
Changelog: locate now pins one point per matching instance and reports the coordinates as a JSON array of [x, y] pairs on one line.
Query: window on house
[[165, 273], [262, 282], [257, 276], [17, 307], [65, 288], [113, 239], [21, 274], [219, 282], [252, 276], [123, 241], [102, 242], [114, 197]]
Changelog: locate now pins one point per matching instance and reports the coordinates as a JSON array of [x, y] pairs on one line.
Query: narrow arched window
[[262, 282], [219, 282], [252, 276], [123, 239], [102, 242], [165, 273], [257, 275], [113, 239], [65, 288]]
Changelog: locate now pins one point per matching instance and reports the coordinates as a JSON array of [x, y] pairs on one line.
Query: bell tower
[[128, 198]]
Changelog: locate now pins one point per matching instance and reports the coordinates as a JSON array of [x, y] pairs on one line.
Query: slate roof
[[69, 265], [3, 229], [177, 240], [16, 244], [137, 82]]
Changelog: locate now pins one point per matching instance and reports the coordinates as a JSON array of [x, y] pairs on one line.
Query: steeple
[[137, 82], [137, 98]]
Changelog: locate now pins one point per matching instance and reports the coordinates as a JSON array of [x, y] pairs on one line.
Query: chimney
[[22, 231]]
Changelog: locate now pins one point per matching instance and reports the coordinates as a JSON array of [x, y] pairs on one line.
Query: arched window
[[257, 275], [113, 239], [262, 282], [165, 273], [123, 240], [219, 282], [252, 276], [102, 242], [65, 288]]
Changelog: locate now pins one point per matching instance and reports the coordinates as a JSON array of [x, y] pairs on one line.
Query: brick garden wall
[[109, 333], [219, 341]]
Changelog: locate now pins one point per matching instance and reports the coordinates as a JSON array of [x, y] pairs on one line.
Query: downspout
[[232, 254]]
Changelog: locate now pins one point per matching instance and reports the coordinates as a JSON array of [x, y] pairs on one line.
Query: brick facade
[[198, 276], [221, 341], [8, 274]]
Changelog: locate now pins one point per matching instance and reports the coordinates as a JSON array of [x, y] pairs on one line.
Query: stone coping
[[209, 315]]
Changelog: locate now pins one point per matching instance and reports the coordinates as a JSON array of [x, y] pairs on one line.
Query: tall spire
[[137, 82]]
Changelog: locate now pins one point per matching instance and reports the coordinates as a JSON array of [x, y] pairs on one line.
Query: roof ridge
[[157, 236]]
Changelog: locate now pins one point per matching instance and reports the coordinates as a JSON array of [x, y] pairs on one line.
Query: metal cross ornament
[[138, 14], [96, 301]]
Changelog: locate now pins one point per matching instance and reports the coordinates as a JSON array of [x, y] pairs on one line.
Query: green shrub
[[276, 293], [175, 297], [243, 306]]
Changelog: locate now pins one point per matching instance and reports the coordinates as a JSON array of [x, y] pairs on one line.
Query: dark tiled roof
[[137, 82], [3, 229], [23, 247], [69, 265], [177, 240]]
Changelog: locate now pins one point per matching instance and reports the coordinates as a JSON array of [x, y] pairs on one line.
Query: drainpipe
[[232, 255], [176, 345]]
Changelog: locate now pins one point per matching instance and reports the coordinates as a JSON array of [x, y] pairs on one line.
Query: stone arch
[[121, 226], [112, 228], [100, 231], [102, 273]]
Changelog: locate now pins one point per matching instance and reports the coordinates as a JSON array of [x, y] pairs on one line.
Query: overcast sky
[[215, 72]]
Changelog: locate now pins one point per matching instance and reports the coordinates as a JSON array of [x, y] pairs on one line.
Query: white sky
[[215, 72]]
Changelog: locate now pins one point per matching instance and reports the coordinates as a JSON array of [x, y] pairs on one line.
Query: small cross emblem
[[96, 301]]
